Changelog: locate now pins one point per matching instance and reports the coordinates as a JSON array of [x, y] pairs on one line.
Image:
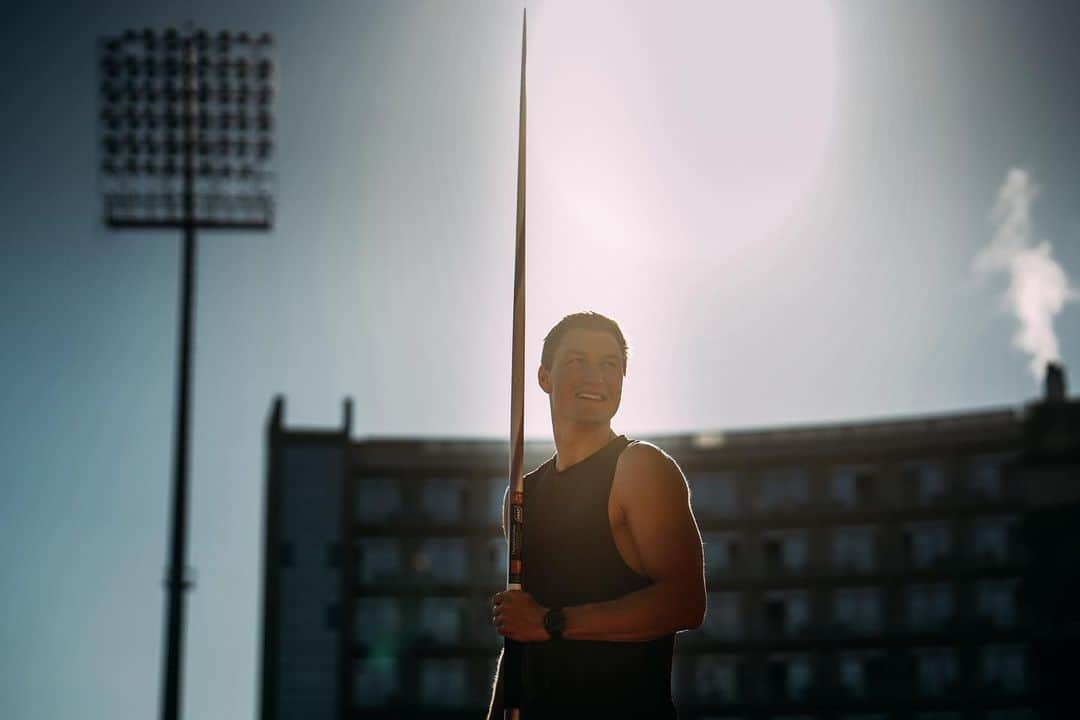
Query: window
[[378, 560], [786, 551], [985, 480], [376, 620], [496, 557], [853, 674], [442, 560], [860, 672], [927, 543], [843, 487], [927, 480], [866, 491], [714, 494], [853, 549], [1003, 667], [716, 679], [853, 486], [790, 677], [377, 499], [773, 551], [787, 612], [798, 612], [929, 606], [783, 489], [858, 609], [935, 671], [441, 620], [443, 499], [375, 680], [492, 511], [932, 485], [443, 682], [995, 600], [286, 556], [721, 553], [991, 539], [722, 616]]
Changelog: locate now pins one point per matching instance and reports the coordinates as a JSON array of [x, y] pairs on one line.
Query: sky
[[798, 214]]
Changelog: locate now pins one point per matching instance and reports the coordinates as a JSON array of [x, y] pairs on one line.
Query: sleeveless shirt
[[570, 558]]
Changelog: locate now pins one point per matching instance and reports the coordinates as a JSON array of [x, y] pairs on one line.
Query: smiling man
[[612, 553]]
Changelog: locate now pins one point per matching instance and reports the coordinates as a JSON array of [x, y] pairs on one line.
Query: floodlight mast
[[142, 194]]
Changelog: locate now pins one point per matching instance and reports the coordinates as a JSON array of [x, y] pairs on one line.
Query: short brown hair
[[581, 321]]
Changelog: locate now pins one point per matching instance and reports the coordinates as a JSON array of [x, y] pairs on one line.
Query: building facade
[[855, 571]]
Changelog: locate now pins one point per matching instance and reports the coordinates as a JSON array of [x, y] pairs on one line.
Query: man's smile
[[590, 396]]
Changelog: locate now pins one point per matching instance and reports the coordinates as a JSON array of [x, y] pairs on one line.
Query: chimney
[[346, 423], [1055, 382]]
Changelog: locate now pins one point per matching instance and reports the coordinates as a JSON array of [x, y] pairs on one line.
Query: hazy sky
[[784, 208]]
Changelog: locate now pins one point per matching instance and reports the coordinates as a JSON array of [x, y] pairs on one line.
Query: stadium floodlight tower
[[186, 143]]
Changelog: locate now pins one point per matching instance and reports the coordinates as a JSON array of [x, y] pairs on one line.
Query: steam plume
[[1038, 287]]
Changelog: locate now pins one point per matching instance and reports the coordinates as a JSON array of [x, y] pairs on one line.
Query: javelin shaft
[[515, 524]]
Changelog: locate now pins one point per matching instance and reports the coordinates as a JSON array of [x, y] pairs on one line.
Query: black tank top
[[570, 558]]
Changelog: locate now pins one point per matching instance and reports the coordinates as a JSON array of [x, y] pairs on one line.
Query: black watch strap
[[555, 623]]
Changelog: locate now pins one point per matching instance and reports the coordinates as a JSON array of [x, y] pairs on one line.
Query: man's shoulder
[[643, 462], [644, 453]]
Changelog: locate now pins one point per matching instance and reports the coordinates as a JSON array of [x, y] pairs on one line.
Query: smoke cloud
[[1038, 287]]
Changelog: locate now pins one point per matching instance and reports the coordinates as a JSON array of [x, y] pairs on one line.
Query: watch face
[[554, 621]]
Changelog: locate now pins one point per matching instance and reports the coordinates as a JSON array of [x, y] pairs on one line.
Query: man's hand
[[517, 616]]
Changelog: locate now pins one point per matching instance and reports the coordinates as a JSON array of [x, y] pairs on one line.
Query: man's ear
[[544, 378]]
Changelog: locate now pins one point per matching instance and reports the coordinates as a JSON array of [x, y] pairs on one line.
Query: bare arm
[[653, 497]]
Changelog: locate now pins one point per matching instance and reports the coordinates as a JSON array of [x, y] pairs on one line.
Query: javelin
[[515, 524]]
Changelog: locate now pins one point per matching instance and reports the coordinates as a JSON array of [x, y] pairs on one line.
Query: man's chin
[[585, 416], [593, 419]]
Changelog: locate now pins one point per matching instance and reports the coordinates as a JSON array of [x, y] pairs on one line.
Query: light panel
[[187, 111]]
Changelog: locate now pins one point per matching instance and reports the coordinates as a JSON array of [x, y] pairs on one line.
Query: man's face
[[585, 377]]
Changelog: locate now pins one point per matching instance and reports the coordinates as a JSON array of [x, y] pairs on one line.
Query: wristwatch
[[555, 623]]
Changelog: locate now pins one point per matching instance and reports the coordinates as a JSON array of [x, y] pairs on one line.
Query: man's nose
[[592, 371]]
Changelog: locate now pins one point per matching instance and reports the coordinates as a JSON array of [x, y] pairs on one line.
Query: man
[[612, 554]]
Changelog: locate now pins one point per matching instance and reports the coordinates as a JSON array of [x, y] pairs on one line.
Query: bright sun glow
[[712, 112], [666, 141]]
